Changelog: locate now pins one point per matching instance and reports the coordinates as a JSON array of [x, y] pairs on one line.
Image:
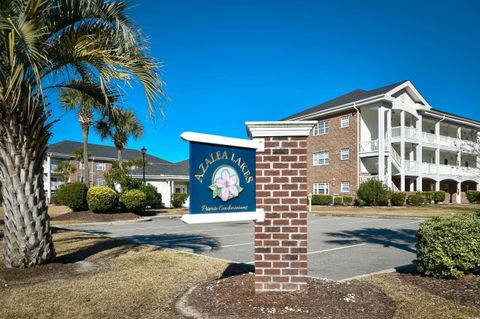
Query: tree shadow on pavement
[[404, 239]]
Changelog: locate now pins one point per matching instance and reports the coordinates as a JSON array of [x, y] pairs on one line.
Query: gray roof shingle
[[353, 96], [96, 150], [174, 169]]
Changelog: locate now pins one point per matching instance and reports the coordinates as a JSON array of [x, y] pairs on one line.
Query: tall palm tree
[[90, 46], [120, 125], [84, 106]]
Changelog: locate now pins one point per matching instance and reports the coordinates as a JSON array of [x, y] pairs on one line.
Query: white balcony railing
[[440, 169], [369, 146], [364, 178]]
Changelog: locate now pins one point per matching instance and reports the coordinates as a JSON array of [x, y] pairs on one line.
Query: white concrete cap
[[279, 128]]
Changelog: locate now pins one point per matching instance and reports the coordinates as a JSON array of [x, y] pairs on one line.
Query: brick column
[[281, 240]]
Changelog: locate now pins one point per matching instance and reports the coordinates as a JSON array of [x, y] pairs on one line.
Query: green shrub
[[373, 193], [397, 198], [438, 196], [427, 197], [179, 199], [338, 200], [102, 199], [347, 200], [154, 198], [72, 195], [322, 199], [134, 200], [359, 202], [449, 246], [473, 196], [415, 200]]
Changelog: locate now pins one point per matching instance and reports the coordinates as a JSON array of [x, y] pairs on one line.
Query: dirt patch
[[235, 297], [90, 217], [464, 291]]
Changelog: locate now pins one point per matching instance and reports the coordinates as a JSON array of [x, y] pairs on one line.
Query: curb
[[368, 216], [118, 222], [186, 311]]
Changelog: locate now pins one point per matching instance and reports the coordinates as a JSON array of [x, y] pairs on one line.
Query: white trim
[[258, 215], [414, 90], [279, 128], [219, 140]]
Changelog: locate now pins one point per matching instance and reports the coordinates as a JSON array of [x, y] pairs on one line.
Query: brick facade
[[281, 240], [337, 170], [96, 175]]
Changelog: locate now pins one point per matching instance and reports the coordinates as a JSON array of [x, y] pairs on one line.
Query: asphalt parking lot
[[339, 248]]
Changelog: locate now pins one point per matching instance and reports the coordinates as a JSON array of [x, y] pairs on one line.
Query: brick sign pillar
[[281, 239]]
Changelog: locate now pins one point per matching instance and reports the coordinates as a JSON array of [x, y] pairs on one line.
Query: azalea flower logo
[[225, 183]]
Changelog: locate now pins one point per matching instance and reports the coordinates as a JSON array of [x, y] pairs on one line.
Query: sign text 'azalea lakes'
[[205, 165]]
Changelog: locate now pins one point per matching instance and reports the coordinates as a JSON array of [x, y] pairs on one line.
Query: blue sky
[[230, 61]]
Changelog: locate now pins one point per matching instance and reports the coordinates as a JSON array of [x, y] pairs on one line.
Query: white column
[[437, 185], [459, 192], [388, 144], [411, 185], [49, 178], [420, 154], [381, 143], [478, 185], [437, 149], [402, 150]]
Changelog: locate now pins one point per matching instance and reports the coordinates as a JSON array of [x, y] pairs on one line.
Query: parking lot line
[[235, 245], [333, 249]]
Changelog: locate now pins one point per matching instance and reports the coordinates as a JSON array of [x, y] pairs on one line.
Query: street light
[[143, 150]]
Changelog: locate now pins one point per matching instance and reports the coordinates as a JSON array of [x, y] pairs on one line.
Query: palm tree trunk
[[119, 157], [23, 145], [85, 130]]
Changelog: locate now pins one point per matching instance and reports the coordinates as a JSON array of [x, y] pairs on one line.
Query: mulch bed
[[464, 291], [235, 297], [89, 216]]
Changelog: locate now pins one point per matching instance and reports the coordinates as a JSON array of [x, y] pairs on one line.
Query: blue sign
[[222, 179]]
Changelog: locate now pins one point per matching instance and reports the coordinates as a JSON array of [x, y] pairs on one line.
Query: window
[[320, 158], [321, 128], [466, 164], [80, 165], [101, 166], [320, 188], [345, 121], [100, 182], [345, 154], [345, 187], [445, 161]]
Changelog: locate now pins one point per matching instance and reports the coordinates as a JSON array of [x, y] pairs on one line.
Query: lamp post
[[143, 150]]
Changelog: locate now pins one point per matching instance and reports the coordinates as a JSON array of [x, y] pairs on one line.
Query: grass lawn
[[141, 281], [423, 211]]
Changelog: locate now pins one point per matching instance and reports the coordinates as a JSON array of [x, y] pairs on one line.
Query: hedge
[[101, 199], [438, 196], [415, 200], [449, 247], [72, 195], [134, 200], [373, 193], [398, 198], [322, 199], [473, 196], [179, 199], [154, 198], [347, 200], [338, 200]]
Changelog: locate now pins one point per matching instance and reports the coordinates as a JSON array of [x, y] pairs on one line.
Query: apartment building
[[391, 134], [166, 176]]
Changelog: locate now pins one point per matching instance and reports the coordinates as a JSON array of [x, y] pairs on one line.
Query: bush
[[322, 199], [415, 200], [438, 196], [427, 197], [179, 199], [72, 195], [359, 202], [134, 200], [338, 200], [449, 246], [117, 176], [154, 198], [473, 196], [102, 199], [397, 198], [373, 193], [347, 200]]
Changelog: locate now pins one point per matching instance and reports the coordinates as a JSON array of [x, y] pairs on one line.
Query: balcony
[[412, 167]]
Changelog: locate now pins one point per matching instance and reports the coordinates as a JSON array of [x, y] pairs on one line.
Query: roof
[[356, 95], [101, 151], [455, 115], [172, 169]]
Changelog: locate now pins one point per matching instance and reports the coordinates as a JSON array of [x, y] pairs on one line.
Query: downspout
[[358, 143]]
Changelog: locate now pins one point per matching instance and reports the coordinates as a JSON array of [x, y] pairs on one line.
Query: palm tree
[[120, 125], [83, 105], [90, 46], [65, 169]]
